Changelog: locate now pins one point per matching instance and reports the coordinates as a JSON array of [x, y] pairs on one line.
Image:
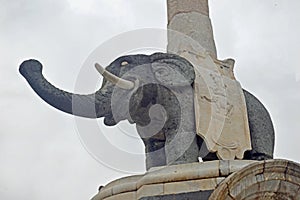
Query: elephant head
[[133, 78], [131, 86]]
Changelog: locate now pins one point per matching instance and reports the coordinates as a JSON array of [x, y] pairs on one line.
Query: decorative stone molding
[[175, 181], [214, 180], [272, 179]]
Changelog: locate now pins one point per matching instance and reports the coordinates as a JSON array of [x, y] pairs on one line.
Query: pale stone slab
[[191, 29], [220, 180], [103, 193], [220, 106], [124, 180], [123, 196], [245, 194], [166, 180], [224, 168], [242, 185], [236, 165], [150, 190], [185, 6], [288, 188], [190, 186], [126, 184], [274, 175], [272, 185], [181, 172], [124, 187], [292, 178], [221, 112]]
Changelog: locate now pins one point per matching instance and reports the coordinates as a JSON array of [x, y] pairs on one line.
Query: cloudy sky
[[44, 156]]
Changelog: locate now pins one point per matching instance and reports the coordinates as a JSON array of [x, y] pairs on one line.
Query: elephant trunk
[[89, 106]]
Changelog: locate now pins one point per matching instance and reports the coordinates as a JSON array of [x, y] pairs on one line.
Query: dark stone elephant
[[155, 93]]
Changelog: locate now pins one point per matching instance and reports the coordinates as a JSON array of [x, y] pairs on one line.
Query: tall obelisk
[[190, 18], [190, 35]]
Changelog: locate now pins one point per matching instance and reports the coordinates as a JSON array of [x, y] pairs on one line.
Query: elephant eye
[[161, 71], [124, 63]]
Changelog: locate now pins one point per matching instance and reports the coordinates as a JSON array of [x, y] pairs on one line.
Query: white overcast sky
[[41, 154]]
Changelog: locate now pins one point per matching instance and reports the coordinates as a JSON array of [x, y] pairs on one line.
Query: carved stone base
[[214, 180], [186, 181], [272, 179]]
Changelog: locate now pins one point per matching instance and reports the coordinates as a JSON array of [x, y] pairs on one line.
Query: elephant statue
[[156, 93]]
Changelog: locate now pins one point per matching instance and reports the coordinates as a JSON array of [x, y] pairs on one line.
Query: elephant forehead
[[169, 74], [132, 60], [142, 72]]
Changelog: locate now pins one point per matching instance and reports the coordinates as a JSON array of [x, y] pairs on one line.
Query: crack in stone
[[228, 191]]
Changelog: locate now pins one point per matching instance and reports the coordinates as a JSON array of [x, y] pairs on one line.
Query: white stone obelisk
[[191, 19], [220, 107]]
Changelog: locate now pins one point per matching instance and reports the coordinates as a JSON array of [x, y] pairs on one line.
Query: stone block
[[293, 169], [224, 168], [150, 190], [124, 187], [248, 192], [290, 189], [271, 179], [220, 179], [293, 179], [191, 25], [183, 172], [105, 192], [128, 179], [184, 6], [236, 165], [123, 196], [242, 185], [190, 186], [200, 195], [274, 176], [272, 185]]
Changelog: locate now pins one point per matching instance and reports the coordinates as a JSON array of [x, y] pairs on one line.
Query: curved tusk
[[121, 83]]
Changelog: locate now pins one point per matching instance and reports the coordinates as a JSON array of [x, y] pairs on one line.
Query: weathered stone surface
[[150, 190], [224, 167], [174, 179], [123, 196], [220, 108], [130, 186], [261, 180], [103, 193], [236, 165], [200, 195], [184, 6], [288, 188], [220, 180], [181, 172], [118, 186], [190, 186], [261, 127], [191, 25]]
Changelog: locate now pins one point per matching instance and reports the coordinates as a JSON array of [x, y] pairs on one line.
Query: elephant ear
[[172, 70]]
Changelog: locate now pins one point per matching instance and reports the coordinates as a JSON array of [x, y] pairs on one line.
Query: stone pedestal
[[186, 181], [214, 180], [272, 179]]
